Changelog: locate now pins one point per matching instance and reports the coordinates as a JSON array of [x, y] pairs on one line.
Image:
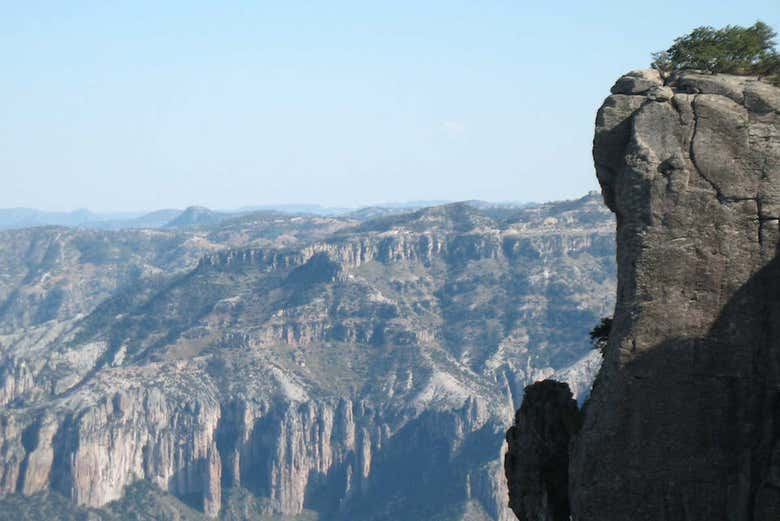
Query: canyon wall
[[366, 375]]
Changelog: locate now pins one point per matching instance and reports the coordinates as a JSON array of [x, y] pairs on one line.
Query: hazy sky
[[145, 104]]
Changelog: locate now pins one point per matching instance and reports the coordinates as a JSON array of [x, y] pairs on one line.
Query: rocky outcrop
[[684, 420], [537, 459]]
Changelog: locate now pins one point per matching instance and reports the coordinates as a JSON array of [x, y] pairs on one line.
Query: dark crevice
[[722, 198], [29, 443], [692, 154]]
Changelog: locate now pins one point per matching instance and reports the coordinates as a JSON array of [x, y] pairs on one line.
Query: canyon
[[289, 367]]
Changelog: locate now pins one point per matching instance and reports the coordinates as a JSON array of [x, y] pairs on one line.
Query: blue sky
[[144, 104]]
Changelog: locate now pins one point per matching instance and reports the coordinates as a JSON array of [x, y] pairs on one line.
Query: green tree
[[599, 335], [732, 49]]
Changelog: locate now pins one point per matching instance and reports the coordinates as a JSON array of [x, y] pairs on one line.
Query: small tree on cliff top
[[732, 49]]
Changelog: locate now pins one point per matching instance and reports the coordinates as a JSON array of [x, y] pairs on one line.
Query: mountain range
[[17, 218], [275, 366]]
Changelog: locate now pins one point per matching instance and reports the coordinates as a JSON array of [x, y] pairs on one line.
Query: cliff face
[[367, 374], [684, 419]]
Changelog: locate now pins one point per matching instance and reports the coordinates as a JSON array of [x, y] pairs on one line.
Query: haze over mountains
[[15, 218], [280, 366]]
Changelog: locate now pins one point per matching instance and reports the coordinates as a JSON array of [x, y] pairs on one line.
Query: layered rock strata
[[367, 375]]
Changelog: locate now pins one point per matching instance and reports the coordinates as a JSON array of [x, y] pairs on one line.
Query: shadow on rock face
[[695, 433], [537, 460], [319, 268], [695, 429]]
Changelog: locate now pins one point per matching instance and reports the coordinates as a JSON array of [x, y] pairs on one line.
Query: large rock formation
[[273, 368], [684, 419]]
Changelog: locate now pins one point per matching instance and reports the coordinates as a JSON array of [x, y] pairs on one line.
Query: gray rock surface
[[537, 458], [637, 82], [684, 418]]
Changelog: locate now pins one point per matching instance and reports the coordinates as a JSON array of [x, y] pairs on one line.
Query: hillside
[[291, 365]]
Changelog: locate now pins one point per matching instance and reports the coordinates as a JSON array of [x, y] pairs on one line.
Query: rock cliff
[[271, 369], [684, 419], [537, 458]]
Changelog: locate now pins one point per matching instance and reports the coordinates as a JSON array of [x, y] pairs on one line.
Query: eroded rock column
[[684, 419]]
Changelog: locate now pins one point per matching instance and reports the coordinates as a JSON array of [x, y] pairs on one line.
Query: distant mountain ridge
[[29, 217], [199, 216]]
